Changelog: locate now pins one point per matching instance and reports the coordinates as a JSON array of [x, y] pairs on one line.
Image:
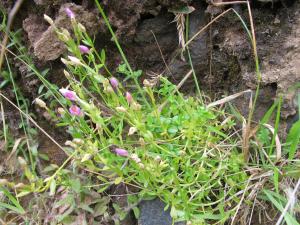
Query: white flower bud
[[48, 19], [132, 130], [40, 103], [71, 144], [121, 109], [78, 141], [136, 106], [147, 83], [142, 141], [61, 111], [67, 74], [135, 158], [74, 60], [86, 157]]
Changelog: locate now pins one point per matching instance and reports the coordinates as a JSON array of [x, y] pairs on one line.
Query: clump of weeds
[[158, 142]]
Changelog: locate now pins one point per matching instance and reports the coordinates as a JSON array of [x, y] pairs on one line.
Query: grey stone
[[152, 213]]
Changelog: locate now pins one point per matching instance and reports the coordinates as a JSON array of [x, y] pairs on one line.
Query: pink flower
[[83, 49], [128, 97], [114, 82], [75, 111], [121, 152], [71, 95], [69, 13]]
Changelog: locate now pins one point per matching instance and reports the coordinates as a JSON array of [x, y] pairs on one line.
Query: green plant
[[176, 149]]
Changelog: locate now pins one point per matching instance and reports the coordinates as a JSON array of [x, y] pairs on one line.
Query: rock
[[152, 213]]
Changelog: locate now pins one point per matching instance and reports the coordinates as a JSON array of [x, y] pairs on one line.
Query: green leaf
[[75, 184], [52, 187], [276, 180], [86, 208], [103, 56], [100, 209], [293, 139], [118, 180], [136, 212], [172, 130], [17, 207]]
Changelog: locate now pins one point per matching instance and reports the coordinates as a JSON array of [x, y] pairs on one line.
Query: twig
[[162, 56], [10, 20]]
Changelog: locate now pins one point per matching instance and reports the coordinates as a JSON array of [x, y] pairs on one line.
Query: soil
[[222, 55]]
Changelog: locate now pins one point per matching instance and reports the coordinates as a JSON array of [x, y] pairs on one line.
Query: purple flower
[[83, 49], [114, 82], [71, 95], [70, 13], [121, 152], [75, 111], [128, 97]]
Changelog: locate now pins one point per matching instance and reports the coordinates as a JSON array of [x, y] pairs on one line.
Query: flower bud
[[70, 13], [67, 74], [142, 142], [157, 158], [75, 61], [71, 144], [114, 82], [40, 103], [108, 89], [128, 97], [83, 49], [75, 111], [48, 19], [121, 152], [181, 152], [121, 109], [71, 95], [135, 158], [78, 141], [147, 83], [61, 111], [136, 106], [65, 35], [64, 61], [132, 130], [86, 157]]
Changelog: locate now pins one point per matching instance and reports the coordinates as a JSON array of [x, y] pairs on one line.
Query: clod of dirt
[[153, 213], [278, 48], [277, 34], [34, 27], [47, 46]]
